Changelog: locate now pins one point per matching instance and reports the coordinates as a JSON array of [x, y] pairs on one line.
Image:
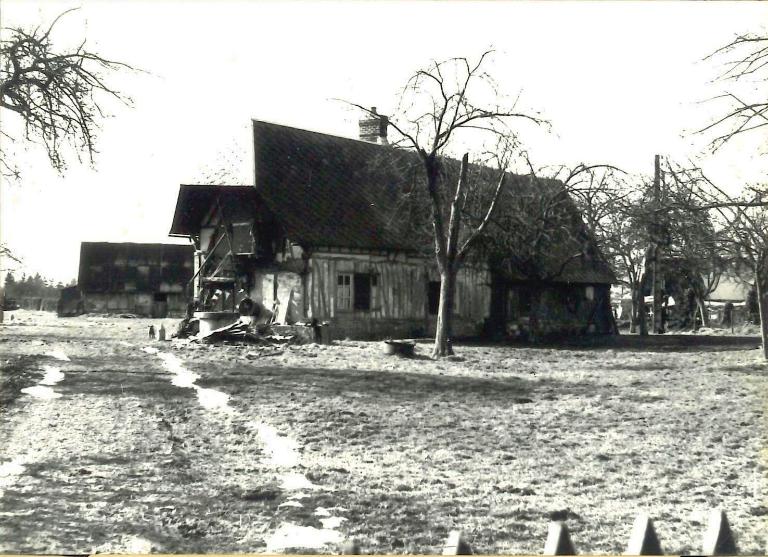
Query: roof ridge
[[316, 132]]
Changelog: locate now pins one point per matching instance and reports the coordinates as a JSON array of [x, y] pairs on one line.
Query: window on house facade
[[243, 238], [589, 292], [356, 291], [344, 292]]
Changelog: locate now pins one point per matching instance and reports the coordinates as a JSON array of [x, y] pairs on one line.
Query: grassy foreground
[[495, 441]]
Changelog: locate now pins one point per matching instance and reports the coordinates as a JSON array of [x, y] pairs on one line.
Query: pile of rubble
[[243, 332]]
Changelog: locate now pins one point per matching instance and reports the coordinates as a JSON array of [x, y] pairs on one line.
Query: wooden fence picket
[[718, 538], [456, 545], [643, 539], [558, 540], [350, 547]]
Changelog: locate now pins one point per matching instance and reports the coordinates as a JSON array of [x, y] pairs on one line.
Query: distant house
[[320, 235], [143, 279], [733, 293], [730, 290]]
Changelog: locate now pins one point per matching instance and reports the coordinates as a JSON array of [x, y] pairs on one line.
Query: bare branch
[[55, 94]]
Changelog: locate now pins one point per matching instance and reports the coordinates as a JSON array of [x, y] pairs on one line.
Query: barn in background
[[143, 279]]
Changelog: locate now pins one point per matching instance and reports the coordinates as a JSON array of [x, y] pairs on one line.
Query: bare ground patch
[[497, 442]]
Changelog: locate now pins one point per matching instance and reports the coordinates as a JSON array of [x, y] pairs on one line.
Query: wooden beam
[[207, 257]]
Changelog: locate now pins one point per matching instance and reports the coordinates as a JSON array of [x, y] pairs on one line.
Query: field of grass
[[495, 441]]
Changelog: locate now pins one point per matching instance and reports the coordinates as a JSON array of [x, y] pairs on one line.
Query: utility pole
[[641, 314], [657, 271]]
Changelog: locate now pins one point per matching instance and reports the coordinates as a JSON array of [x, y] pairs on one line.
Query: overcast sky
[[619, 82]]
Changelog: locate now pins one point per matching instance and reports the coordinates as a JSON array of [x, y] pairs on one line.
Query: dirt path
[[110, 446], [227, 449]]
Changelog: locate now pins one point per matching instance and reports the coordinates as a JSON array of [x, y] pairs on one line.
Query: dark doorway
[[160, 305], [362, 292]]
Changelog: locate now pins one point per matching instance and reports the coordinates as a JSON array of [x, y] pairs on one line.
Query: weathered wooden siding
[[400, 300], [473, 293], [400, 291], [136, 303]]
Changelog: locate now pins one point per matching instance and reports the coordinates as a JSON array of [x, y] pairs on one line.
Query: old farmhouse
[[142, 279], [322, 234]]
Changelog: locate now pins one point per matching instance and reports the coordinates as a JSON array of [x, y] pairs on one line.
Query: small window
[[243, 238], [433, 295], [344, 291], [589, 293], [357, 291]]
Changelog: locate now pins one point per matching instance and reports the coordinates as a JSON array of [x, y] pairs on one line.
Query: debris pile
[[237, 331], [244, 332]]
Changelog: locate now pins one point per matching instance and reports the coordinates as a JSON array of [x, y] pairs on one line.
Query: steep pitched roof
[[194, 201], [568, 252], [331, 191]]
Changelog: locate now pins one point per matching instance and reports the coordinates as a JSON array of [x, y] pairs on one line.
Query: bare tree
[[745, 227], [742, 225], [597, 190], [443, 109], [746, 60], [612, 206], [626, 241], [697, 246], [57, 94], [538, 235]]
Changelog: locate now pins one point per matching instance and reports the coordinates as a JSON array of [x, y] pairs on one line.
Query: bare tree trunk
[[702, 311], [444, 328], [634, 318], [761, 282], [694, 320]]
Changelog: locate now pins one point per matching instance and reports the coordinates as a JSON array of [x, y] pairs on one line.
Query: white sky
[[620, 82]]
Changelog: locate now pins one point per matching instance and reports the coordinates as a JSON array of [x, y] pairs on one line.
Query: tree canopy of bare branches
[[746, 60], [741, 227], [447, 109], [57, 94]]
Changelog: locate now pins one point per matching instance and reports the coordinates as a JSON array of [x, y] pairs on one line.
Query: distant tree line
[[29, 286]]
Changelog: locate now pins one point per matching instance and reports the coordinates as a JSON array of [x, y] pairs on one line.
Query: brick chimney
[[373, 127]]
